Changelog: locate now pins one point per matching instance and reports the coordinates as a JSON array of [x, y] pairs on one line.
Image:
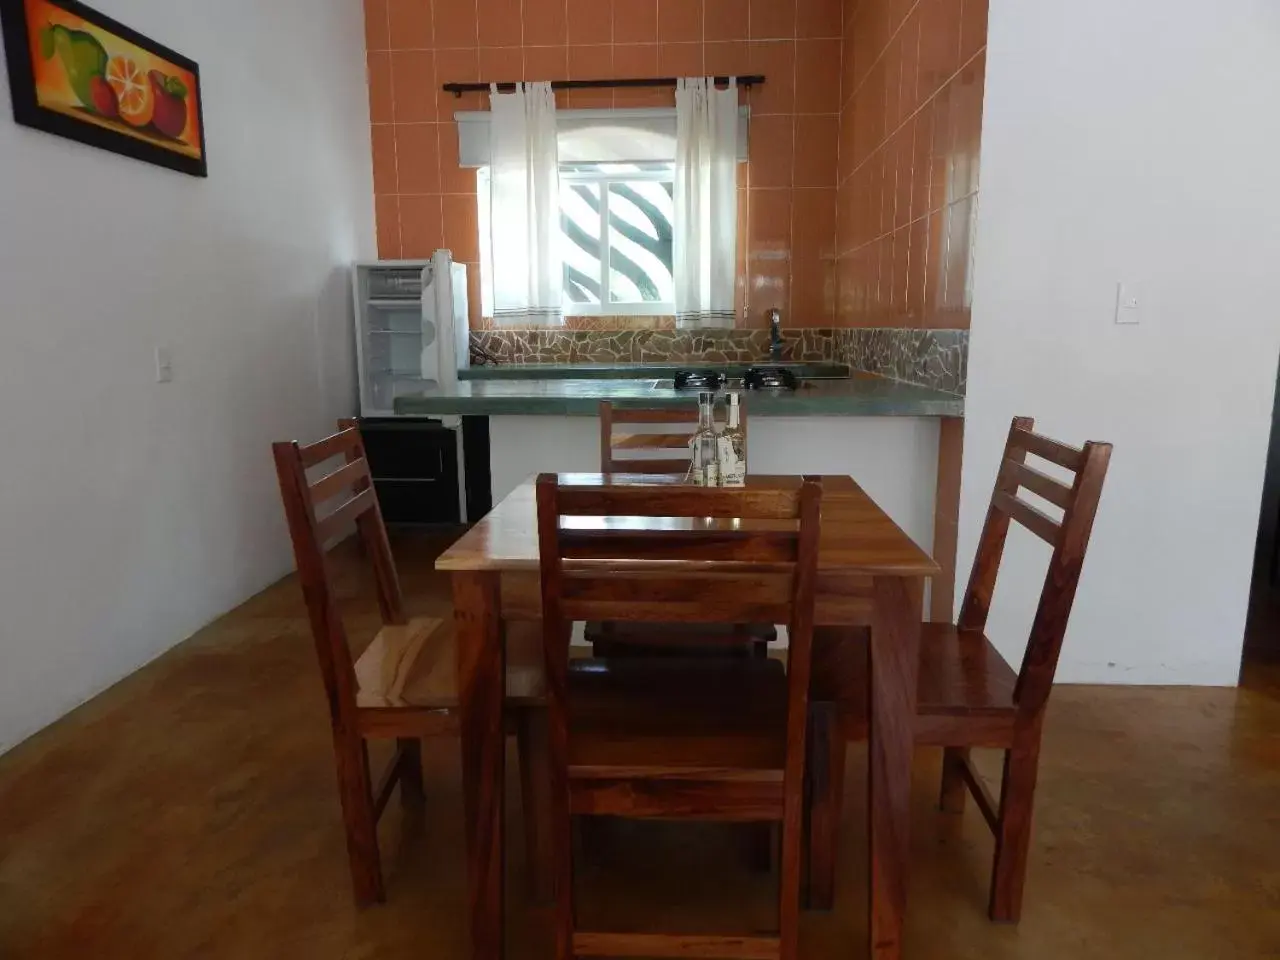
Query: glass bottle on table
[[731, 447], [705, 466]]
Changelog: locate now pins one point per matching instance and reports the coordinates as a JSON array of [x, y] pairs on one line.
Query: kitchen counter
[[860, 395]]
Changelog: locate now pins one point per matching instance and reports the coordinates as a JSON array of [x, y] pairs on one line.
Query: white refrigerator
[[412, 328], [412, 334]]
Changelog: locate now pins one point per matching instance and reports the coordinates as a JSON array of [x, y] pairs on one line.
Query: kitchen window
[[616, 236], [617, 206]]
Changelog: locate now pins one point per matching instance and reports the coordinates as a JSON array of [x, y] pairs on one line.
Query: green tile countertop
[[861, 395], [637, 371]]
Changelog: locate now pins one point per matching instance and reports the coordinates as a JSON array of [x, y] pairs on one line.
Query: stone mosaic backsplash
[[645, 346], [933, 358]]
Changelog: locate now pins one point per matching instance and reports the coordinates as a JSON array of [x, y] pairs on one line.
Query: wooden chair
[[968, 696], [617, 455], [403, 686], [676, 739]]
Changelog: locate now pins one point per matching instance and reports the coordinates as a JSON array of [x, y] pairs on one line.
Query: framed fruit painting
[[82, 75]]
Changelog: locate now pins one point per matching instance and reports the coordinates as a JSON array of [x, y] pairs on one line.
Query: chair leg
[[826, 798], [559, 829], [534, 800], [412, 790], [356, 792], [790, 877], [954, 789], [1013, 831]]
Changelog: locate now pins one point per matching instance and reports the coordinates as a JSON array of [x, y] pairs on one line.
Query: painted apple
[[103, 98], [170, 116]]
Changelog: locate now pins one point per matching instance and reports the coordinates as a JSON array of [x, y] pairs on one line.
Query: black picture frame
[[28, 111]]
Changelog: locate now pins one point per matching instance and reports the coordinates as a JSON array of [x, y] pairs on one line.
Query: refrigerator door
[[461, 319], [445, 333], [433, 318]]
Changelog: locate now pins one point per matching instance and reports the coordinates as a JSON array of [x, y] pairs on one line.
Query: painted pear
[[82, 57]]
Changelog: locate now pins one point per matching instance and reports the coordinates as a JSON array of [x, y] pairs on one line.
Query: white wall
[[132, 513], [1133, 141]]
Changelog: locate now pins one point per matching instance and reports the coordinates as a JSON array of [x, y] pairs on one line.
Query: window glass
[[616, 223]]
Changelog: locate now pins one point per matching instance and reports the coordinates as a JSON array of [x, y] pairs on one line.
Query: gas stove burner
[[699, 380], [770, 378]]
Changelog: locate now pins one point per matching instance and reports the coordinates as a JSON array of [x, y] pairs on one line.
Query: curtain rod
[[458, 89]]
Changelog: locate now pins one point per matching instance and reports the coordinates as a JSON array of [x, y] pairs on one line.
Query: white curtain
[[706, 202], [524, 218]]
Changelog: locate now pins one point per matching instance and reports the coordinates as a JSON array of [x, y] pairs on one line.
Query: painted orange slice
[[133, 92]]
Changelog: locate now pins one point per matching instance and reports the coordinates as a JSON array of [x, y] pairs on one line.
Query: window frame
[[606, 308]]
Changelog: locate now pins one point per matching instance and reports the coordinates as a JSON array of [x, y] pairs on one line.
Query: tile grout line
[[933, 96], [395, 148], [924, 216], [835, 220], [889, 42], [795, 147]]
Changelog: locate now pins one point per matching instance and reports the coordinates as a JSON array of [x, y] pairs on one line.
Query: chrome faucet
[[776, 340]]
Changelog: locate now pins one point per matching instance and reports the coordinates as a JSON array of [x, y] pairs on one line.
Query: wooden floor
[[191, 811]]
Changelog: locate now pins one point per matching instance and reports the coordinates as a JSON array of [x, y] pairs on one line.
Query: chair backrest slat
[[1064, 455], [350, 477], [650, 441], [659, 597], [642, 443], [651, 414], [342, 518], [339, 444], [1069, 539], [1034, 519], [1041, 484], [311, 532], [640, 500], [703, 542]]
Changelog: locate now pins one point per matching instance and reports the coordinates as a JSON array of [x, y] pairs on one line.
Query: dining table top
[[856, 535]]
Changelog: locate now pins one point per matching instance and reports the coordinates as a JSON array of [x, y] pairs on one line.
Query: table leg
[[895, 665], [481, 681], [946, 518]]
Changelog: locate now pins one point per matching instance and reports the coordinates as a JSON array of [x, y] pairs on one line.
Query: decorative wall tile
[[411, 55], [933, 358], [907, 171]]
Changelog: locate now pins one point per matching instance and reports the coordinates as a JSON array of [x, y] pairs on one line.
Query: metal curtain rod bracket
[[458, 89]]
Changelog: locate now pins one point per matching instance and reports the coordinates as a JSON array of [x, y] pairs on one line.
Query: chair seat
[[961, 676], [416, 665], [676, 718]]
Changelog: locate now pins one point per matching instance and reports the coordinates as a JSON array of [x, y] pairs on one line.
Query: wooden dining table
[[870, 573]]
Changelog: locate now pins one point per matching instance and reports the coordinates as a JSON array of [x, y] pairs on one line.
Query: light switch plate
[[1128, 303], [164, 365]]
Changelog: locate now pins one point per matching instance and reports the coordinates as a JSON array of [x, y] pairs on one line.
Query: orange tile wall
[[910, 125], [425, 201]]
